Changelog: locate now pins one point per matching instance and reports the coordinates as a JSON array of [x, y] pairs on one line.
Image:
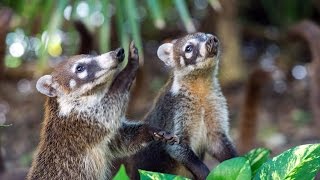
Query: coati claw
[[166, 137], [133, 52]]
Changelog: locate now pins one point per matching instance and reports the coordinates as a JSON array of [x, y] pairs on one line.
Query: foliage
[[97, 14], [236, 168], [257, 157], [5, 125], [286, 12], [121, 174], [301, 162], [147, 175]]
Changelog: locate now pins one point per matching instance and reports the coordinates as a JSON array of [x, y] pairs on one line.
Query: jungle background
[[268, 70]]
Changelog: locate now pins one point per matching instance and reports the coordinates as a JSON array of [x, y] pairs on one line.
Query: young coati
[[84, 125], [192, 106]]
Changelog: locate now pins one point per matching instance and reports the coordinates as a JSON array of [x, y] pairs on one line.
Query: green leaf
[[121, 29], [132, 15], [156, 13], [232, 169], [105, 28], [121, 174], [185, 15], [5, 125], [257, 157], [148, 175], [301, 162]]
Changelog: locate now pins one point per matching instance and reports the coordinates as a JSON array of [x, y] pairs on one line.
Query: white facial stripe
[[106, 61], [203, 49], [192, 42], [100, 73], [175, 86], [72, 83], [182, 63], [188, 55], [83, 74]]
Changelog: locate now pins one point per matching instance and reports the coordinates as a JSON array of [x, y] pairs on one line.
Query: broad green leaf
[[257, 157], [121, 174], [301, 162], [148, 175], [232, 169]]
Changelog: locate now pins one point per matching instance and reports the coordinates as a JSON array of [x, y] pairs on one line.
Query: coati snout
[[194, 51]]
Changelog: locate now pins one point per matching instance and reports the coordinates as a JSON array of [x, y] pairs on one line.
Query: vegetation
[[301, 162], [96, 14]]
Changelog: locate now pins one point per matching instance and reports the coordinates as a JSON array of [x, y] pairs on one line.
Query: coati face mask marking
[[80, 74], [194, 51], [80, 82]]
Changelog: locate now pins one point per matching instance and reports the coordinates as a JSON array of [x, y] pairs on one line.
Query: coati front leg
[[185, 155], [222, 148], [124, 80], [134, 136]]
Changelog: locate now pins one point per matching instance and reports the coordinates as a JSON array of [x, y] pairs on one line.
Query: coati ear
[[44, 86], [165, 54]]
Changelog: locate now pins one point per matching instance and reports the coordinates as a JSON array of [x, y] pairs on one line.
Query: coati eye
[[80, 68], [189, 48]]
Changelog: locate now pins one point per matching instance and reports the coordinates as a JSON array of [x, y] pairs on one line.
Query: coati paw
[[133, 54], [166, 137]]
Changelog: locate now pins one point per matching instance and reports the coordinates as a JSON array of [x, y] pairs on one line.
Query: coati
[[192, 106], [84, 126]]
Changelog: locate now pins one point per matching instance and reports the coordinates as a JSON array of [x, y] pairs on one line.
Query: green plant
[[286, 12], [301, 162], [121, 174], [98, 15], [5, 125]]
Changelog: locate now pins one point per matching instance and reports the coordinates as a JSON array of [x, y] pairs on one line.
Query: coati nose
[[120, 54], [213, 40]]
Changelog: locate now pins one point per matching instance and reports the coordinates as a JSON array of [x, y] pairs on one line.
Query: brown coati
[[192, 106], [84, 126]]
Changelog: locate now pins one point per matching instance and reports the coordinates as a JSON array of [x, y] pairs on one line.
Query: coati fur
[[192, 106], [84, 126]]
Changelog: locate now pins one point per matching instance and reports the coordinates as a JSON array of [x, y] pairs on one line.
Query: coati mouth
[[212, 46], [213, 52]]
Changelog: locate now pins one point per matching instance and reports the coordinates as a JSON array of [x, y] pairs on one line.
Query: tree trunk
[[250, 110], [5, 17], [232, 67], [310, 32]]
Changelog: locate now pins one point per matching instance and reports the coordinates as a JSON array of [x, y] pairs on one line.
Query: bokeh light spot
[[299, 72], [24, 86], [67, 12], [16, 49], [83, 9], [55, 49], [97, 18], [12, 62]]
